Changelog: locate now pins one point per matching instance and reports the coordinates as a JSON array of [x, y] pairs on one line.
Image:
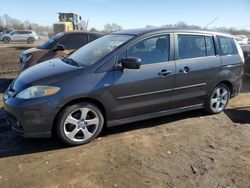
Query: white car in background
[[241, 39], [19, 36]]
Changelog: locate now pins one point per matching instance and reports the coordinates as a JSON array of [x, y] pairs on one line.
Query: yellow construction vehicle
[[68, 22]]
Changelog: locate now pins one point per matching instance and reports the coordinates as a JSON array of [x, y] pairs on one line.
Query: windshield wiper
[[69, 61]]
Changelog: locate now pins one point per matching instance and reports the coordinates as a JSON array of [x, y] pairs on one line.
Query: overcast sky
[[134, 13]]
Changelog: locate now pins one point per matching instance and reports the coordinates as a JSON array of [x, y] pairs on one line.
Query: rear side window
[[191, 46], [227, 45], [74, 41]]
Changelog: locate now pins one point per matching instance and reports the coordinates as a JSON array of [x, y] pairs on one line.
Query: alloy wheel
[[219, 99], [81, 124]]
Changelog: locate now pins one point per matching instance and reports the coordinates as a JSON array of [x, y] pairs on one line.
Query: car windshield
[[49, 43], [96, 50]]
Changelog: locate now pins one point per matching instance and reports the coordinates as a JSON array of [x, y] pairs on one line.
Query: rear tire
[[30, 40], [218, 99], [6, 40], [79, 124]]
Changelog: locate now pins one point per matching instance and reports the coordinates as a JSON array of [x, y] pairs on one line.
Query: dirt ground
[[185, 150]]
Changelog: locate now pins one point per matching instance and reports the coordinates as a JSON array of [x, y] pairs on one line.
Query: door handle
[[164, 72], [185, 70]]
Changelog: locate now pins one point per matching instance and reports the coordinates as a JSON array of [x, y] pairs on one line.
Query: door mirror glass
[[130, 63], [59, 48]]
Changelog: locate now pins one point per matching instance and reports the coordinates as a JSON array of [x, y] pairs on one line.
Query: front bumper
[[31, 118]]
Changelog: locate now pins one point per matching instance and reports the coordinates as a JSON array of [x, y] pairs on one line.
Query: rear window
[[227, 45], [74, 41]]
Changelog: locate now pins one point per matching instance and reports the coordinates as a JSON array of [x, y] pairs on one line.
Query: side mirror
[[131, 63], [59, 48]]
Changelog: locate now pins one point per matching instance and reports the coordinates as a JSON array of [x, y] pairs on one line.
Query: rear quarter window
[[227, 45]]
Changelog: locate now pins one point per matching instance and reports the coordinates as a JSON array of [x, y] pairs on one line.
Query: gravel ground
[[185, 150]]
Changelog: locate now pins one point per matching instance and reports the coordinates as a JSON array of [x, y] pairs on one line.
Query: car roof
[[143, 31], [82, 32]]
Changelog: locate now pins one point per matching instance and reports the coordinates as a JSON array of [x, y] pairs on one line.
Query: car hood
[[33, 50], [46, 73]]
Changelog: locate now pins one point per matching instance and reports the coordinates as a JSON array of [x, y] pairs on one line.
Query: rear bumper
[[30, 118]]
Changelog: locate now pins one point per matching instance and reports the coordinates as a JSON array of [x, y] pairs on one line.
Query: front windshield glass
[[49, 43], [96, 50]]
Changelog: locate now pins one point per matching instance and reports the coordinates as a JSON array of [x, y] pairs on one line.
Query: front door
[[149, 88]]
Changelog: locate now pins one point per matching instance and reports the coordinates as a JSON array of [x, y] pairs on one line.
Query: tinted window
[[210, 46], [227, 45], [98, 49], [152, 50], [191, 46], [74, 41], [92, 37], [50, 43]]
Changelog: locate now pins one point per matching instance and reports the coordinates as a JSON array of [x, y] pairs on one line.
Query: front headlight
[[25, 58], [37, 91]]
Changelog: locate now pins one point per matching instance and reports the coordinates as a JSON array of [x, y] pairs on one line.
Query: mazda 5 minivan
[[125, 77]]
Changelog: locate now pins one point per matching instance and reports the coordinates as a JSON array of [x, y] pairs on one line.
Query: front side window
[[50, 43], [227, 45], [98, 49], [191, 46], [152, 50]]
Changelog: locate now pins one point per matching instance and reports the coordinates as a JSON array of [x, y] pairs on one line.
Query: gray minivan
[[125, 77]]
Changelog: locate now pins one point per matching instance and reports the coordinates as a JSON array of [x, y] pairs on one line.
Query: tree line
[[8, 22]]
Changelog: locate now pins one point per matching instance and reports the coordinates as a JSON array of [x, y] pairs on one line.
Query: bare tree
[[6, 19], [93, 30], [1, 22], [109, 28]]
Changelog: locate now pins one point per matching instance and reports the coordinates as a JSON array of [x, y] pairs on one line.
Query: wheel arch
[[226, 82], [79, 100], [6, 38]]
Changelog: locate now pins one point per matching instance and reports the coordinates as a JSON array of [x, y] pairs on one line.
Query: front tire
[[30, 40], [218, 99], [6, 40], [79, 124]]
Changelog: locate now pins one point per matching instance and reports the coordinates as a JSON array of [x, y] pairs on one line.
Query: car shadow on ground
[[4, 83], [13, 145], [21, 47], [239, 115], [246, 85]]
